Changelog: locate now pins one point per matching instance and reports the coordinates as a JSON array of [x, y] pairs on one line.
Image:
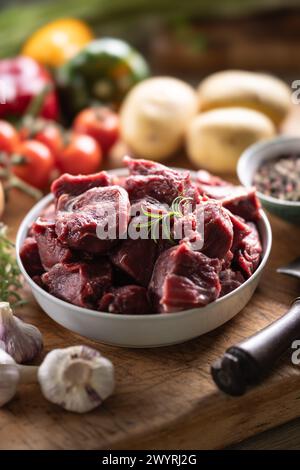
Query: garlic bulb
[[77, 378], [20, 340]]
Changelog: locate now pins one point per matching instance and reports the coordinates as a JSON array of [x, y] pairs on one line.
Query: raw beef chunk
[[136, 258], [144, 167], [240, 230], [106, 210], [149, 205], [50, 249], [247, 257], [243, 202], [184, 279], [128, 300], [159, 182], [226, 261], [218, 231], [204, 177], [30, 257], [38, 280], [186, 230], [230, 280], [49, 213], [239, 200], [81, 284], [212, 186], [217, 235], [75, 185], [156, 186]]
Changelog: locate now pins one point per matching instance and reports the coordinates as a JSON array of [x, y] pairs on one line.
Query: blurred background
[[185, 38]]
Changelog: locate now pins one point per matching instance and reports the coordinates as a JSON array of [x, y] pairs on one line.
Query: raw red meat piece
[[226, 261], [81, 284], [243, 202], [184, 279], [156, 186], [50, 249], [212, 186], [30, 257], [127, 300], [217, 233], [144, 167], [78, 218], [204, 177], [152, 179], [230, 280], [247, 257], [240, 230], [38, 280], [239, 200], [215, 192], [49, 213], [75, 185], [136, 258], [186, 230], [148, 204]]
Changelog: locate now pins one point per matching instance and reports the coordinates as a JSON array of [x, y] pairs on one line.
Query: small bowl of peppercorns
[[273, 167]]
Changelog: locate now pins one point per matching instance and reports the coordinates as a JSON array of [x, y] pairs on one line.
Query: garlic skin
[[77, 378], [5, 358], [20, 340], [9, 378]]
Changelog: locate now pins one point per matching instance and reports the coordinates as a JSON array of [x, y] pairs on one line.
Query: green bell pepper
[[102, 72]]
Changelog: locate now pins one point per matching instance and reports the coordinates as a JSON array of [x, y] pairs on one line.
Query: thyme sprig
[[163, 220], [10, 282]]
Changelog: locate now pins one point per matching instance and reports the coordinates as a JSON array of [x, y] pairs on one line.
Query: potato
[[216, 139], [1, 199], [155, 115], [257, 91]]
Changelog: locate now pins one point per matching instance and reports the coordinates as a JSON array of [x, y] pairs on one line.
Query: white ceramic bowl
[[145, 330]]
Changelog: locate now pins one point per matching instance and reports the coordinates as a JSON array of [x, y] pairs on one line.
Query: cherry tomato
[[38, 165], [8, 137], [47, 132], [81, 156], [101, 123]]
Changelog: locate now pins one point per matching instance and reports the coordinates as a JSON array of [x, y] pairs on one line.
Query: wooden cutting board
[[165, 398]]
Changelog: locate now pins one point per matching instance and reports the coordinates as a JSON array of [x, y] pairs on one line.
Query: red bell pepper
[[21, 80]]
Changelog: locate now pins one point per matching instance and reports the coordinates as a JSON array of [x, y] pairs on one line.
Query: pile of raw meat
[[64, 255]]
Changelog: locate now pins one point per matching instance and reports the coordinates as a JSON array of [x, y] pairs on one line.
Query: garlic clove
[[9, 380], [19, 339], [78, 378], [5, 358]]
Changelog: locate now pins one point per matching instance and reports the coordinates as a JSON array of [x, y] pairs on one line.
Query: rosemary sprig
[[163, 220], [10, 282]]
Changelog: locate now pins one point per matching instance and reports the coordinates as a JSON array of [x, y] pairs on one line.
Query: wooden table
[[164, 397]]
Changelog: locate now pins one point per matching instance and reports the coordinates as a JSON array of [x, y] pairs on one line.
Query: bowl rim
[[21, 235], [256, 148]]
